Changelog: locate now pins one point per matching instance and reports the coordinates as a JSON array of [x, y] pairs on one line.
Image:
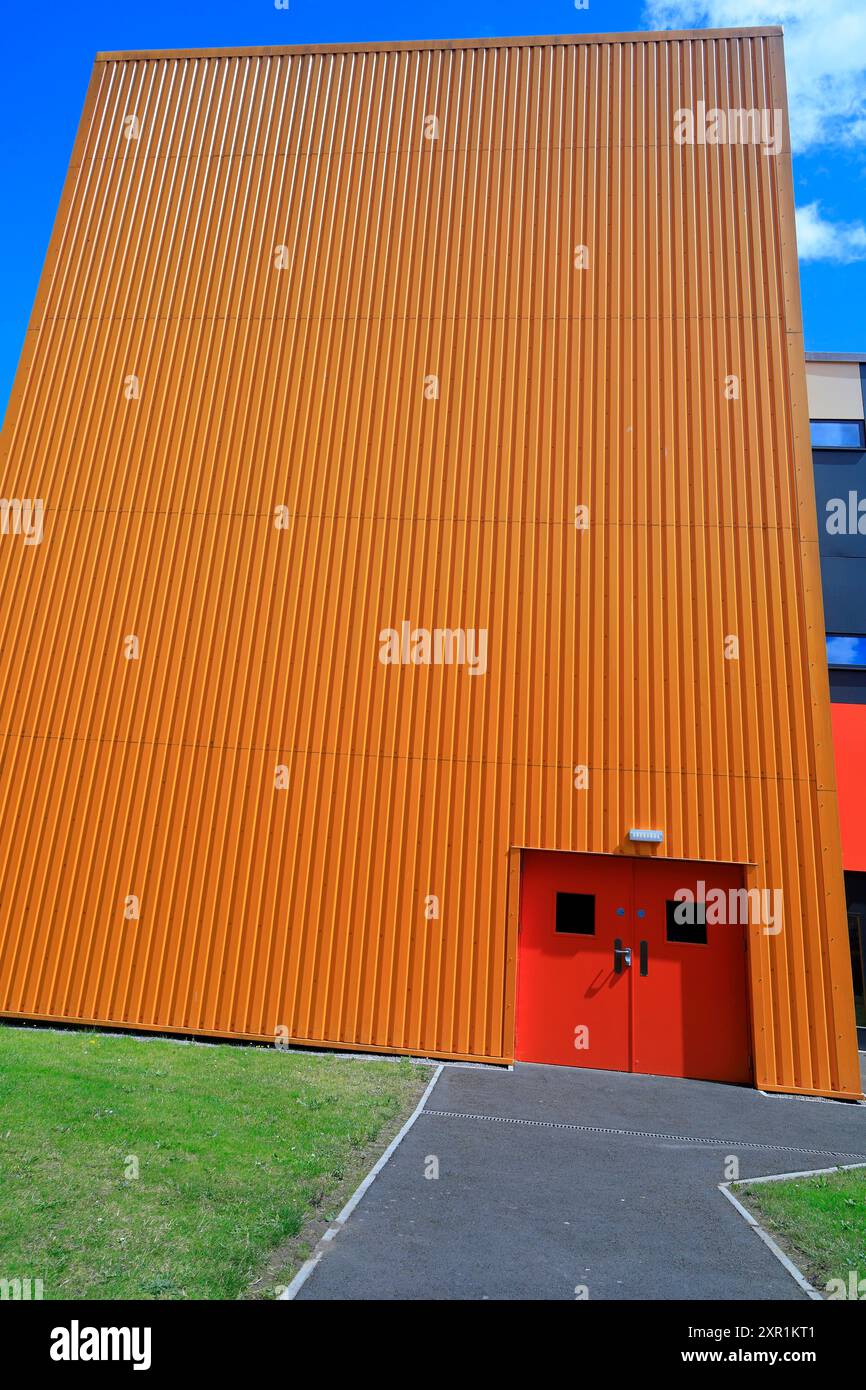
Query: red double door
[[614, 972]]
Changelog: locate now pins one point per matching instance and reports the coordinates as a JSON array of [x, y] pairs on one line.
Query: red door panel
[[691, 1014], [573, 1008]]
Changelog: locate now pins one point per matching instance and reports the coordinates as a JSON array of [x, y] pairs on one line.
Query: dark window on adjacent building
[[575, 913], [837, 434], [855, 892], [843, 650], [687, 923]]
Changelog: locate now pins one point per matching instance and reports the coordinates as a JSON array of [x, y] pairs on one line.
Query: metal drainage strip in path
[[643, 1134]]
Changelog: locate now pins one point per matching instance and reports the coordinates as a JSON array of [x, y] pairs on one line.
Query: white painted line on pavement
[[339, 1222]]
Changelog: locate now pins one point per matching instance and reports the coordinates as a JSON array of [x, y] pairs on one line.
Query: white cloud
[[821, 240], [825, 55], [846, 651]]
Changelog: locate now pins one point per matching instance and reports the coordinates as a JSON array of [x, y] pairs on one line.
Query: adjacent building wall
[[837, 391]]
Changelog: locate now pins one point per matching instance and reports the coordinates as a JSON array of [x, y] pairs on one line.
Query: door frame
[[516, 860]]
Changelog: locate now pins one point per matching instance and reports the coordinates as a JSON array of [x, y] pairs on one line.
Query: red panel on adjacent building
[[849, 741]]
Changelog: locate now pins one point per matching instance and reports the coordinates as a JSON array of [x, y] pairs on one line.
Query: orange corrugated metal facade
[[314, 354]]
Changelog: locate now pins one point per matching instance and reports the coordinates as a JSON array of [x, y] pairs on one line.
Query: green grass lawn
[[236, 1150], [820, 1223]]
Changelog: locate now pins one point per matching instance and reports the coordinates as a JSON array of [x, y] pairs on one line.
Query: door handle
[[620, 954], [644, 958]]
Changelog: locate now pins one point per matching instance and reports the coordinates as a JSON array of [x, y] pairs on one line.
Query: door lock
[[621, 955]]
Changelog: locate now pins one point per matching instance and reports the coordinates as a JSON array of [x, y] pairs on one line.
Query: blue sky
[[51, 52]]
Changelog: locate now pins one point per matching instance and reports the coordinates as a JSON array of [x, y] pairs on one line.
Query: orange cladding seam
[[259, 264]]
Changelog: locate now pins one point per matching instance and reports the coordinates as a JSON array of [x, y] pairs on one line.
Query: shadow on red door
[[619, 970]]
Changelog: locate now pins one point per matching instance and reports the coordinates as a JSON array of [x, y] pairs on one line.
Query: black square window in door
[[575, 913], [687, 923]]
